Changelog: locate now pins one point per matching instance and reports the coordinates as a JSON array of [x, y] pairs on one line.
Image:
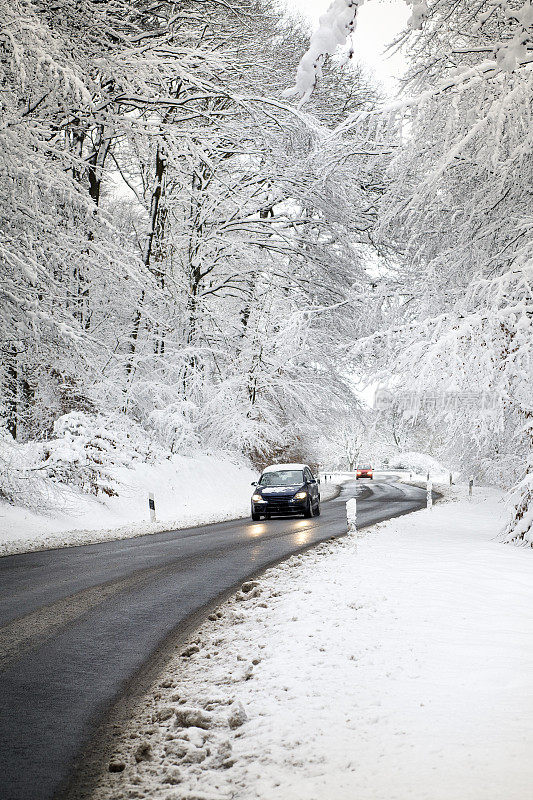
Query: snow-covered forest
[[213, 229]]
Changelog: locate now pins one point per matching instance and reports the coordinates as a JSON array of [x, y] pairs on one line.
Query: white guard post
[[470, 487], [351, 515], [151, 506], [429, 494]]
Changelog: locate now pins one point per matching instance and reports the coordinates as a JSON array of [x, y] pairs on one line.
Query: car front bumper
[[280, 505]]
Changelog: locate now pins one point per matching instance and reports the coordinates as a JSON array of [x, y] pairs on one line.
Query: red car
[[364, 472]]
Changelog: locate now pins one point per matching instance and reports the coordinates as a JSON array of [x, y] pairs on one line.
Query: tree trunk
[[160, 169], [12, 391], [95, 165]]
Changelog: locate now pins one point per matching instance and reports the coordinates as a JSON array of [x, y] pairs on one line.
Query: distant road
[[78, 624]]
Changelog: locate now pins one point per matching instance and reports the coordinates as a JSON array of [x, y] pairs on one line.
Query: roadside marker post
[[470, 488], [451, 481], [151, 506], [429, 494], [351, 515]]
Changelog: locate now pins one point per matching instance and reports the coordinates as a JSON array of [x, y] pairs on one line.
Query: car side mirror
[[254, 483]]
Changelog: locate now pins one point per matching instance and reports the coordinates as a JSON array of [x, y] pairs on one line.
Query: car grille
[[279, 505]]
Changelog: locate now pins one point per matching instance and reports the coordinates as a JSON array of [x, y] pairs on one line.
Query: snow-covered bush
[[175, 426], [520, 526], [14, 466], [86, 447], [23, 479]]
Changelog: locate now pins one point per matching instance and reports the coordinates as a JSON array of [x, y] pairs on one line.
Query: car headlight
[[300, 495], [257, 498]]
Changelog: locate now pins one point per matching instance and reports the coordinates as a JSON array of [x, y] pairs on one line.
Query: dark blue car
[[286, 489]]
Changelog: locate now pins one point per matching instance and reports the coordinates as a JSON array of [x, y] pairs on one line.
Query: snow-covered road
[[395, 667]]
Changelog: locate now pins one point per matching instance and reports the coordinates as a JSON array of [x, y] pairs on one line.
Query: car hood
[[280, 490]]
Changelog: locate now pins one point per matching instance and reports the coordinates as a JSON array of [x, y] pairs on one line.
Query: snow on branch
[[335, 26], [418, 14], [339, 21]]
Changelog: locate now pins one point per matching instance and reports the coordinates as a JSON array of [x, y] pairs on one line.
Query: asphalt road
[[77, 624]]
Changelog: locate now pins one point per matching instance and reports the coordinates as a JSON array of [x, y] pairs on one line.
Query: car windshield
[[286, 477], [364, 467]]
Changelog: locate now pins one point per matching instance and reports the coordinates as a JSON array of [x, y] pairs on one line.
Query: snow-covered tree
[[180, 248], [458, 331], [255, 239], [457, 299]]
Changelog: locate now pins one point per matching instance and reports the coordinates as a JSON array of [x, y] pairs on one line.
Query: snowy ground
[[398, 666], [188, 491]]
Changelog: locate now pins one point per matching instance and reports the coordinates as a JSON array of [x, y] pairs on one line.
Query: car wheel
[[317, 510], [255, 517], [308, 509]]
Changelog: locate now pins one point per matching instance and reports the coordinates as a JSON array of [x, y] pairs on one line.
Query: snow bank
[[420, 464], [188, 491], [398, 665]]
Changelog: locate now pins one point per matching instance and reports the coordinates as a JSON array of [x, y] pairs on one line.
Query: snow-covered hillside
[[188, 491], [92, 480]]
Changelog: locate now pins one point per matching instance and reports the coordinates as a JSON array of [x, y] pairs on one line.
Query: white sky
[[378, 22]]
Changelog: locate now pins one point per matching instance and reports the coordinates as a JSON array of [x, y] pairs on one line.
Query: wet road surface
[[77, 624]]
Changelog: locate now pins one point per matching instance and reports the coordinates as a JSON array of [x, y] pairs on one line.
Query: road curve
[[77, 624]]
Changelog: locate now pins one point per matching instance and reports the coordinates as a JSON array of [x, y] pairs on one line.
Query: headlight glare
[[300, 495], [257, 498]]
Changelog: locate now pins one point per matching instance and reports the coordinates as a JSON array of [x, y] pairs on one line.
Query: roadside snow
[[330, 489], [188, 491], [395, 666]]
